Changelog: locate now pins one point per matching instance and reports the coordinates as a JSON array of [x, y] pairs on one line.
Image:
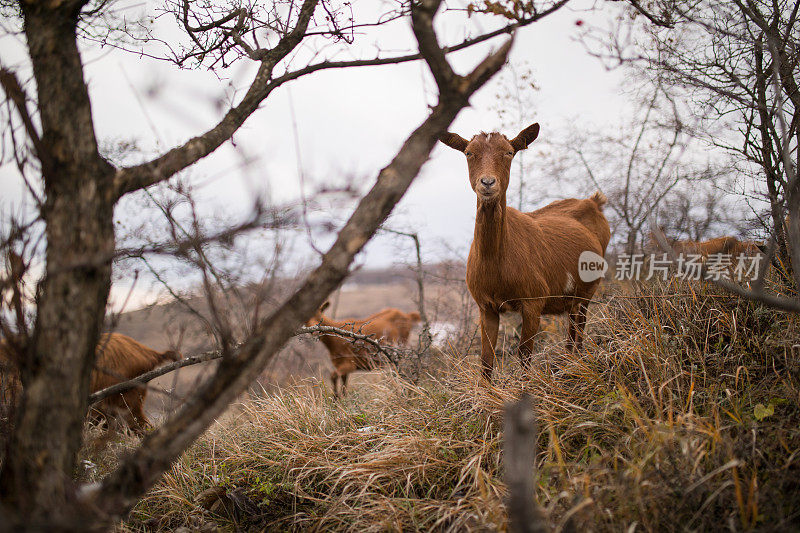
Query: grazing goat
[[118, 358], [347, 355], [720, 245], [403, 322], [526, 262]]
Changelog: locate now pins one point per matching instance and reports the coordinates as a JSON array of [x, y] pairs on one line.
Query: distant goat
[[347, 355], [119, 358], [526, 262], [730, 246], [719, 245]]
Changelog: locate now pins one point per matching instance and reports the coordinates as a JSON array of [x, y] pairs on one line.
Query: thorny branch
[[391, 352]]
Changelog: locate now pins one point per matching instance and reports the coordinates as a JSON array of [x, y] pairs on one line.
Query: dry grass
[[683, 413]]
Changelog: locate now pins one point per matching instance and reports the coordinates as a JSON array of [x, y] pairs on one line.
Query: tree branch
[[16, 94], [163, 167], [119, 491]]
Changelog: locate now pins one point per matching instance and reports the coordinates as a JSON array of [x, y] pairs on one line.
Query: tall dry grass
[[681, 414]]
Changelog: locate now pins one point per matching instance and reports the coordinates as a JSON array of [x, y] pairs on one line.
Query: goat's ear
[[454, 140], [525, 137], [324, 306]]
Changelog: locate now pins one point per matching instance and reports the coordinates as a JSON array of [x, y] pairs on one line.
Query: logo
[[591, 266]]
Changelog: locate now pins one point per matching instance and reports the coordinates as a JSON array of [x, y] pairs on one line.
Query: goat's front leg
[[490, 325], [531, 314]]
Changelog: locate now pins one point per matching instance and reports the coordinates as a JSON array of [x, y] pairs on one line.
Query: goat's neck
[[490, 228]]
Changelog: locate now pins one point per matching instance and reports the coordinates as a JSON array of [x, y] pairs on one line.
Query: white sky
[[349, 122]]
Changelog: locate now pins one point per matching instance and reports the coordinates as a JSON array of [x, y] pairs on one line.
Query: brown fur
[[119, 358], [719, 245], [526, 262], [403, 323], [348, 356]]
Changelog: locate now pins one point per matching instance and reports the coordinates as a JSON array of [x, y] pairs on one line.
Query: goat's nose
[[488, 182]]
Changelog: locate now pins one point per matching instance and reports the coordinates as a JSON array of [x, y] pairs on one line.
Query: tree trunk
[[770, 170], [630, 244], [36, 479]]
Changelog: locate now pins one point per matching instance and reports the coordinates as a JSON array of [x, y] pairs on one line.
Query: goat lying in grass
[[119, 358], [526, 262], [389, 326], [732, 247]]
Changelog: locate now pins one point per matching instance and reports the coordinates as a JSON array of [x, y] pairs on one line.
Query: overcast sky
[[349, 123]]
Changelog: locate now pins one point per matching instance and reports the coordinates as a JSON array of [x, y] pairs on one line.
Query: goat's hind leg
[[577, 325], [334, 383], [142, 423]]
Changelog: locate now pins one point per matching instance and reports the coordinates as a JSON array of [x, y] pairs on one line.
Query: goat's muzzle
[[487, 187]]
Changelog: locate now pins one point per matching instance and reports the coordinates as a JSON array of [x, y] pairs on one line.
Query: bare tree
[[75, 190], [638, 165], [701, 210], [737, 61]]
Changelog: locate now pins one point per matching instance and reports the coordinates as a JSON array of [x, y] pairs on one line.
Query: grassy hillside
[[682, 413]]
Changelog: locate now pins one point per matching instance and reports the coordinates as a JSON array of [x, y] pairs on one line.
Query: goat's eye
[[510, 153], [468, 154]]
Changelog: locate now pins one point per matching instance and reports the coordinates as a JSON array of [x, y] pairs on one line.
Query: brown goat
[[526, 262], [119, 358], [720, 245], [348, 356]]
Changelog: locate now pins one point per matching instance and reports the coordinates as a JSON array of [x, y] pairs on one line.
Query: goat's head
[[317, 317], [489, 158]]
